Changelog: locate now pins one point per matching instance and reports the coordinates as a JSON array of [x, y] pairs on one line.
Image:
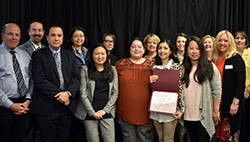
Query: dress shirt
[[56, 51], [59, 58], [34, 45], [8, 82]]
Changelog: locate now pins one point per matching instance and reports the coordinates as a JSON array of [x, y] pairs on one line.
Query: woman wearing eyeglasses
[[109, 41]]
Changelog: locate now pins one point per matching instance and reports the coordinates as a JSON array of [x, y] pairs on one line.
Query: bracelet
[[236, 103], [216, 111]]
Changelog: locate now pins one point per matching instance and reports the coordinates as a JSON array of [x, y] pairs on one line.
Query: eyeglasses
[[109, 41]]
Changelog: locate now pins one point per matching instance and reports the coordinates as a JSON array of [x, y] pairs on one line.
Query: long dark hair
[[171, 56], [175, 46], [205, 68], [93, 73]]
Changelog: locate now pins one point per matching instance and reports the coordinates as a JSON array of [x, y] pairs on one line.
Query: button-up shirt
[[8, 81], [59, 57], [34, 45], [56, 51]]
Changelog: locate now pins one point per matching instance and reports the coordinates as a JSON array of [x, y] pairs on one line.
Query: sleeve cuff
[[68, 93], [7, 103]]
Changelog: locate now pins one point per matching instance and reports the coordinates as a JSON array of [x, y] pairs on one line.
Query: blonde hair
[[153, 36], [232, 48], [208, 36]]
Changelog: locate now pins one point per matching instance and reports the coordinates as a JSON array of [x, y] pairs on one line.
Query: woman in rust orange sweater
[[134, 95]]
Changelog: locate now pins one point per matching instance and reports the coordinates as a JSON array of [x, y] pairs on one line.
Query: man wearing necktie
[[36, 33], [15, 86], [56, 80]]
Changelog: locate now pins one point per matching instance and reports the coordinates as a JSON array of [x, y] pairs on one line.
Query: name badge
[[228, 67]]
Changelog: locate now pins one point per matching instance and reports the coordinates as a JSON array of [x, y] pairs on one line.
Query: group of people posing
[[75, 93]]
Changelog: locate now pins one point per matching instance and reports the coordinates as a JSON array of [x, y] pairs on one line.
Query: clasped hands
[[99, 114], [63, 97], [20, 108]]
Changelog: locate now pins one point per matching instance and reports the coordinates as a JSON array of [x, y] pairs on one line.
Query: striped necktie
[[59, 70], [19, 77]]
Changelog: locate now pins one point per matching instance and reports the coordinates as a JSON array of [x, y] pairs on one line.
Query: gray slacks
[[106, 126], [136, 133]]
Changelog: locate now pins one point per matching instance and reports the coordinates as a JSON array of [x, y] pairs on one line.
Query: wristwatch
[[236, 103]]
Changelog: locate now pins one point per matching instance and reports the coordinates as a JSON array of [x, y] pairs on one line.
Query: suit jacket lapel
[[92, 87], [42, 46], [52, 61], [64, 63], [110, 88]]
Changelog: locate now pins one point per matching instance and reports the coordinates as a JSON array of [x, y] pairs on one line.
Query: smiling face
[[208, 45], [55, 37], [78, 38], [151, 45], [180, 43], [99, 55], [108, 42], [223, 44], [136, 49], [36, 32], [240, 41], [11, 36], [164, 51], [193, 51]]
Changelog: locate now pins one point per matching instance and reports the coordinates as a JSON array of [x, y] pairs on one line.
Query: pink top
[[192, 98]]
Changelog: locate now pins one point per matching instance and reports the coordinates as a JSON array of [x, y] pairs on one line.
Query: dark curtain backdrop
[[130, 18]]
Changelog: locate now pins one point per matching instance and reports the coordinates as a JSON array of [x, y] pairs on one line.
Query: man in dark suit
[[56, 81], [36, 33]]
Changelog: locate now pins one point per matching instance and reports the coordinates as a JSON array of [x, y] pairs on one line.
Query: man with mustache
[[36, 33]]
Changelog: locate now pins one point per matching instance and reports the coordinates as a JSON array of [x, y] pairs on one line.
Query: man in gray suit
[[36, 33]]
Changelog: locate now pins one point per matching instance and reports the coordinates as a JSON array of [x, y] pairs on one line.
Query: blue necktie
[[19, 77], [59, 70]]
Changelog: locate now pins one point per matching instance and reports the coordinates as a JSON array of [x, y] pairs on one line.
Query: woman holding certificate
[[165, 123], [202, 92]]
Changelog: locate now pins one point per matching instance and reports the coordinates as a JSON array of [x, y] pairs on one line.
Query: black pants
[[196, 131], [33, 133], [245, 123], [13, 128], [77, 131], [54, 127]]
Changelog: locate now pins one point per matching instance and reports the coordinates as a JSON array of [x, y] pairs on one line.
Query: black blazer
[[47, 83], [233, 85]]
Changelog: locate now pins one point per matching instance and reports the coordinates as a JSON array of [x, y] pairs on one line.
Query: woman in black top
[[98, 95]]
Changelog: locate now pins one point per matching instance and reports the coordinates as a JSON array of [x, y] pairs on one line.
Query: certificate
[[163, 102], [168, 80], [165, 91]]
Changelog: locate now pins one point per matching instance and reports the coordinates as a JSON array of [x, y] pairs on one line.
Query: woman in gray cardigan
[[202, 92], [98, 95]]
